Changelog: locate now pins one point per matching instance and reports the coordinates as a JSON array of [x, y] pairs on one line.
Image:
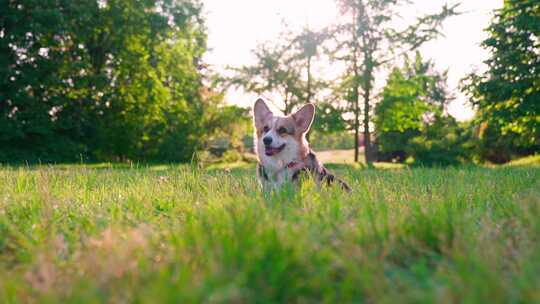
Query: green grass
[[175, 234]]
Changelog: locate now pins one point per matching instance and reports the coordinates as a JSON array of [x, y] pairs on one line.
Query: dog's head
[[281, 137]]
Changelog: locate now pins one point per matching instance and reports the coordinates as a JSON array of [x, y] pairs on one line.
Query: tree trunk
[[355, 89], [367, 140], [367, 76], [287, 109], [308, 99], [368, 48], [356, 124]]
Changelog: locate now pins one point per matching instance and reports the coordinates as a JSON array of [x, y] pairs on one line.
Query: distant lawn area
[[178, 234], [342, 158]]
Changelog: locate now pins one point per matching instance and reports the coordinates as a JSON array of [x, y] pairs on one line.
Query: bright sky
[[235, 27]]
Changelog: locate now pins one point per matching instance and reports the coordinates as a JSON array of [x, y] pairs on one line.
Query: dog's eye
[[282, 130], [266, 129]]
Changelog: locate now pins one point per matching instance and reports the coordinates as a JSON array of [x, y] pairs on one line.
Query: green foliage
[[100, 80], [487, 142], [330, 141], [228, 124], [329, 118], [272, 73], [442, 143], [410, 119], [171, 234], [507, 95], [366, 40], [283, 69]]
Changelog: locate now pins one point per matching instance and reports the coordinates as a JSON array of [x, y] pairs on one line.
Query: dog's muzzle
[[269, 150]]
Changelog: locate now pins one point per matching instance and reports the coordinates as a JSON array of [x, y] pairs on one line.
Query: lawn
[[179, 234], [340, 157]]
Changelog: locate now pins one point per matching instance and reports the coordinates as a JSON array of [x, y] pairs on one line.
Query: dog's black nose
[[267, 141]]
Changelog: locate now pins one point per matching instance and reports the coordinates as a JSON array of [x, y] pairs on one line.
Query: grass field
[[177, 234]]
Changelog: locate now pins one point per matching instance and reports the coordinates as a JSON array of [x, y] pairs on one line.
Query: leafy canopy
[[410, 120], [507, 95], [116, 79]]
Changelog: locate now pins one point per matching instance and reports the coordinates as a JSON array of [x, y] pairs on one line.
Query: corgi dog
[[283, 152]]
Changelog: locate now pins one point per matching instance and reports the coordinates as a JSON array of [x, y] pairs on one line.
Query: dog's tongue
[[271, 151]]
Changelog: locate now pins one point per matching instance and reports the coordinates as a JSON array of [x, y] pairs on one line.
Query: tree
[[272, 74], [30, 84], [307, 45], [410, 119], [441, 143], [114, 79], [366, 41], [283, 68], [507, 94]]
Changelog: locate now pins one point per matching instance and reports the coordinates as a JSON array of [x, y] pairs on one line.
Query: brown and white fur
[[282, 149]]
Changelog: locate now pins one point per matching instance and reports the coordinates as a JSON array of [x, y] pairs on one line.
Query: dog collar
[[294, 165]]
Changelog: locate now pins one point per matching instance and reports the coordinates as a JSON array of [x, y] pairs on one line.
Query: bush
[[489, 144], [329, 141], [441, 144]]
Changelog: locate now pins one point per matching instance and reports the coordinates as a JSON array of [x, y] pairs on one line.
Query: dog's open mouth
[[269, 151]]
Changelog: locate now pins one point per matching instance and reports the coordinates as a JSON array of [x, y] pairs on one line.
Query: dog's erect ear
[[304, 117], [261, 113]]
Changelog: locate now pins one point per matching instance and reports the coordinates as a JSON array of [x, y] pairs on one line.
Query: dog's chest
[[271, 179]]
